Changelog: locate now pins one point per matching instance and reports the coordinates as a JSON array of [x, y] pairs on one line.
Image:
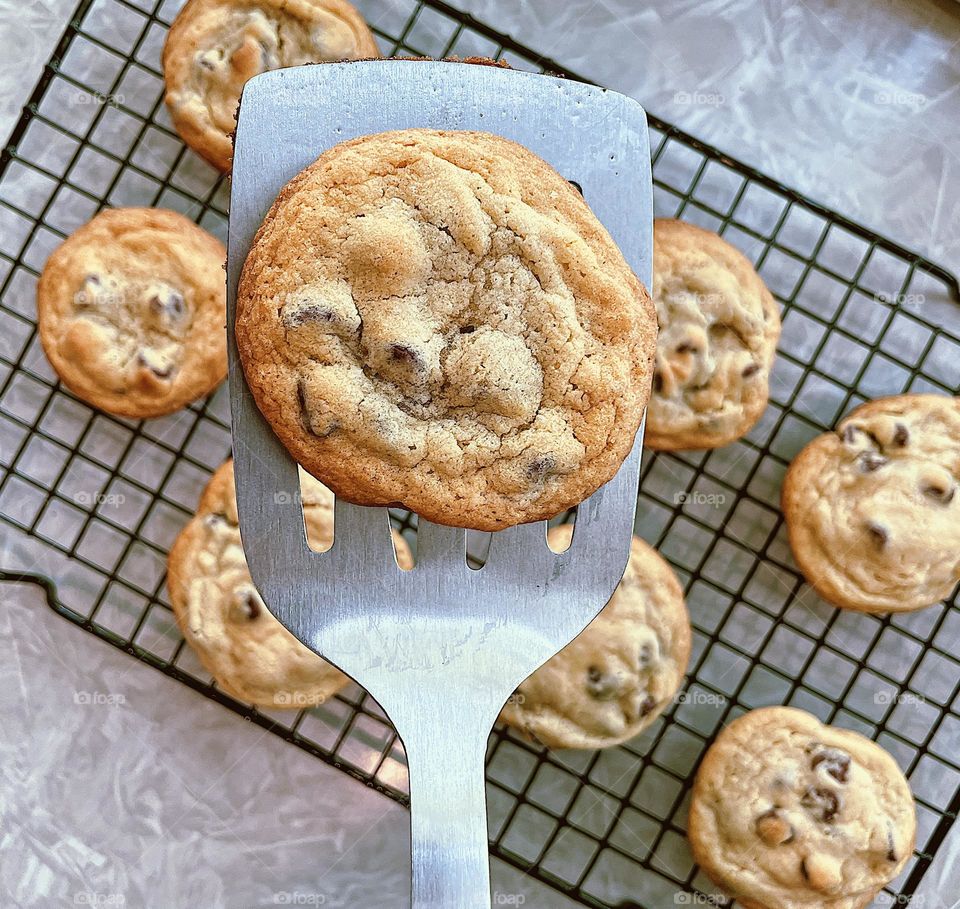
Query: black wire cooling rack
[[89, 503]]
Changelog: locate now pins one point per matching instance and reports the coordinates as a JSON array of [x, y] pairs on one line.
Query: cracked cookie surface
[[872, 509], [131, 310], [789, 813], [437, 319], [719, 327], [215, 46], [616, 677], [250, 654]]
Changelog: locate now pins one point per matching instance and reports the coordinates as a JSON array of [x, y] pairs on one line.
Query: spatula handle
[[448, 816]]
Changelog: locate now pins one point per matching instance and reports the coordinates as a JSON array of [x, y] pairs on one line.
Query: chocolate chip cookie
[[872, 509], [789, 813], [618, 675], [215, 46], [438, 320], [131, 310], [719, 327], [250, 654]]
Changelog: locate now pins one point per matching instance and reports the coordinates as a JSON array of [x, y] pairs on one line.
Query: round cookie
[[872, 509], [719, 327], [616, 677], [131, 310], [438, 320], [788, 813], [250, 654], [215, 46]]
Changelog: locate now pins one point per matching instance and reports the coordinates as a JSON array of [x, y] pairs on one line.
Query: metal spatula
[[443, 646]]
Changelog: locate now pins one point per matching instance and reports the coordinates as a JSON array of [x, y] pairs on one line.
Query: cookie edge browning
[[178, 585], [146, 218], [745, 272], [653, 564], [174, 61], [795, 495], [321, 457], [701, 833]]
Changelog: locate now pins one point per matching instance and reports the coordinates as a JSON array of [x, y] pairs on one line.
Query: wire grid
[[90, 503]]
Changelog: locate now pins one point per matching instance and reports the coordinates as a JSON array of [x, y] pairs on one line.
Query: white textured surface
[[857, 105]]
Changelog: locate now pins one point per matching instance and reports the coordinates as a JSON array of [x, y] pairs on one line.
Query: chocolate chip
[[169, 304], [834, 762], [539, 468], [249, 605], [870, 461], [751, 369], [603, 686], [849, 432], [295, 317], [891, 846], [160, 370], [407, 358], [687, 347], [646, 655], [657, 381], [467, 329], [647, 705], [878, 534], [939, 493], [901, 435], [822, 803], [87, 295], [302, 402], [774, 829]]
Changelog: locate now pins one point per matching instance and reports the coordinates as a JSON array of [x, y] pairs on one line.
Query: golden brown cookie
[[131, 309], [250, 654], [437, 319], [215, 46], [616, 677], [719, 327], [788, 813], [872, 509]]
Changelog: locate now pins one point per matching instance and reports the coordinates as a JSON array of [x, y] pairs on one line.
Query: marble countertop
[[857, 105]]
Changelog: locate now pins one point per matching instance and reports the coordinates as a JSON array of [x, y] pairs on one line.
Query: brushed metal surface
[[440, 647]]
